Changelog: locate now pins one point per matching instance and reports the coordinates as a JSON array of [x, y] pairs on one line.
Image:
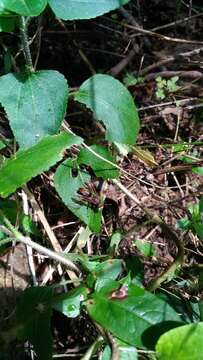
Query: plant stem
[[25, 43], [93, 348], [27, 241]]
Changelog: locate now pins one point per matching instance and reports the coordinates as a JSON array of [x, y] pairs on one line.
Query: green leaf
[[198, 170], [69, 304], [105, 271], [29, 226], [25, 7], [201, 204], [112, 104], [13, 213], [2, 145], [35, 104], [83, 9], [29, 163], [198, 229], [3, 10], [182, 343], [125, 352], [147, 249], [115, 241], [101, 167], [183, 223], [67, 184], [33, 315], [7, 24], [128, 318]]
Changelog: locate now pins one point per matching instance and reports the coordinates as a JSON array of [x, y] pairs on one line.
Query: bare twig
[[160, 36], [155, 283]]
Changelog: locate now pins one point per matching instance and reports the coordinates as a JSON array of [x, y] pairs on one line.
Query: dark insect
[[91, 194]]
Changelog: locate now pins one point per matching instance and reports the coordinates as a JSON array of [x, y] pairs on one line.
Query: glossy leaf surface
[[129, 317], [182, 343], [25, 7]]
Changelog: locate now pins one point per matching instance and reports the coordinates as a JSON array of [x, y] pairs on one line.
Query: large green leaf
[[25, 7], [3, 10], [35, 104], [33, 315], [112, 104], [29, 163], [101, 167], [127, 318], [182, 343], [67, 185], [83, 9]]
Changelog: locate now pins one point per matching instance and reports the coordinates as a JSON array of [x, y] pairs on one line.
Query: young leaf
[[69, 304], [112, 104], [198, 170], [105, 271], [83, 9], [67, 186], [25, 7], [147, 249], [101, 167], [29, 163], [33, 315], [129, 317], [182, 343], [35, 104]]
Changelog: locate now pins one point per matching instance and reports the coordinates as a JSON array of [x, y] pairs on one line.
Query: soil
[[154, 171]]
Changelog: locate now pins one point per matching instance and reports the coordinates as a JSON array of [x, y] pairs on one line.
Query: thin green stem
[[93, 348], [25, 44]]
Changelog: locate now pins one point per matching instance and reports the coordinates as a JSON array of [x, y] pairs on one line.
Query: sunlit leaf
[[83, 9], [182, 343], [112, 104]]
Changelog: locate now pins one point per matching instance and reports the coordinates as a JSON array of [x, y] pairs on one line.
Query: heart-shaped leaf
[[112, 104], [83, 9], [35, 104]]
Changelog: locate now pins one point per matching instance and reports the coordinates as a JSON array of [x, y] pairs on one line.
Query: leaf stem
[[25, 43], [27, 241]]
